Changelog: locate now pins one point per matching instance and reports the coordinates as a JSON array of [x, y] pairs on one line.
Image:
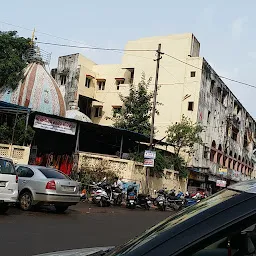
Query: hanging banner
[[149, 162], [221, 183], [54, 125]]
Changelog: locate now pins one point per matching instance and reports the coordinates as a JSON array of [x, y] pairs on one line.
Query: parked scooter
[[134, 200], [160, 200], [131, 198], [101, 195], [104, 194], [116, 196]]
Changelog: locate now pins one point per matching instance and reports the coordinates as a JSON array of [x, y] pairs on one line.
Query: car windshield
[[7, 167], [52, 174], [173, 221]]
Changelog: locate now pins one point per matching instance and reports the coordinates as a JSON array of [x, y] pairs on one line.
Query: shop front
[[196, 181], [54, 143]]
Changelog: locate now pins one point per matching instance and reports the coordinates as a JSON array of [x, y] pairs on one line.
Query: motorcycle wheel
[[175, 207], [162, 208], [119, 201], [133, 206], [101, 204]]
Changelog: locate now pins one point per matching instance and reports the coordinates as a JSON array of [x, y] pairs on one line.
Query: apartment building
[[193, 89]]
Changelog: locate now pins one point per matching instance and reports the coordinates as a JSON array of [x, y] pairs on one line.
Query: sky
[[225, 30]]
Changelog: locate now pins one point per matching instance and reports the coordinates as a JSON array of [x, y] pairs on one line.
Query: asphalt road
[[30, 233]]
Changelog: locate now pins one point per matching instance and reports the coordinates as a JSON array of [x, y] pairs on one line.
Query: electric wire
[[224, 77]]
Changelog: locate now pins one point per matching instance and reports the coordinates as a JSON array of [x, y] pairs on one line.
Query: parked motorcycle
[[131, 198], [190, 201], [116, 196], [144, 201], [175, 202], [194, 198]]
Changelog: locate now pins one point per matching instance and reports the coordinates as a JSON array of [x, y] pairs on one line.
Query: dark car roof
[[166, 237]]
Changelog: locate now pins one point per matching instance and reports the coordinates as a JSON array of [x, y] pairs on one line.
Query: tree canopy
[[184, 135], [20, 136], [12, 58], [136, 110]]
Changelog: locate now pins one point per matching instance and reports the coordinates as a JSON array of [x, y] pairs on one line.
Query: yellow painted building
[[99, 86], [187, 86]]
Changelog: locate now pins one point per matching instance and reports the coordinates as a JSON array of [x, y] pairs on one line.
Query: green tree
[[12, 58], [183, 136], [136, 110], [20, 136]]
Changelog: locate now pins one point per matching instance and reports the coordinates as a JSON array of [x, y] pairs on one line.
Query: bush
[[90, 173]]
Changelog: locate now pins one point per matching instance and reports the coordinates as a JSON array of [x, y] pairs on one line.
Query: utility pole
[[153, 111]]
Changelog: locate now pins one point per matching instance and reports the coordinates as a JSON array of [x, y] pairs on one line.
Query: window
[[245, 141], [116, 111], [101, 85], [219, 93], [87, 82], [98, 112], [224, 98], [234, 133], [118, 82], [30, 173], [25, 172], [63, 79], [52, 174], [240, 237], [132, 76], [7, 167], [206, 152], [209, 117], [212, 86], [190, 106], [192, 73]]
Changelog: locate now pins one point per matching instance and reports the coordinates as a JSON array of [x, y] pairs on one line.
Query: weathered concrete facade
[[229, 132], [67, 77]]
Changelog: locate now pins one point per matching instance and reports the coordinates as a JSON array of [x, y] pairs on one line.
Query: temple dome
[[38, 91], [74, 113]]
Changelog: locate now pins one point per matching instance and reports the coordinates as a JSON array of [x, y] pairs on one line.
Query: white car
[[8, 184]]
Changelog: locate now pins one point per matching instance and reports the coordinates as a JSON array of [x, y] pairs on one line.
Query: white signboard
[[55, 125], [221, 183], [150, 154], [149, 162]]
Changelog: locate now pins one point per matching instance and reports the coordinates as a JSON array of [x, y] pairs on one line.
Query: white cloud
[[238, 26]]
